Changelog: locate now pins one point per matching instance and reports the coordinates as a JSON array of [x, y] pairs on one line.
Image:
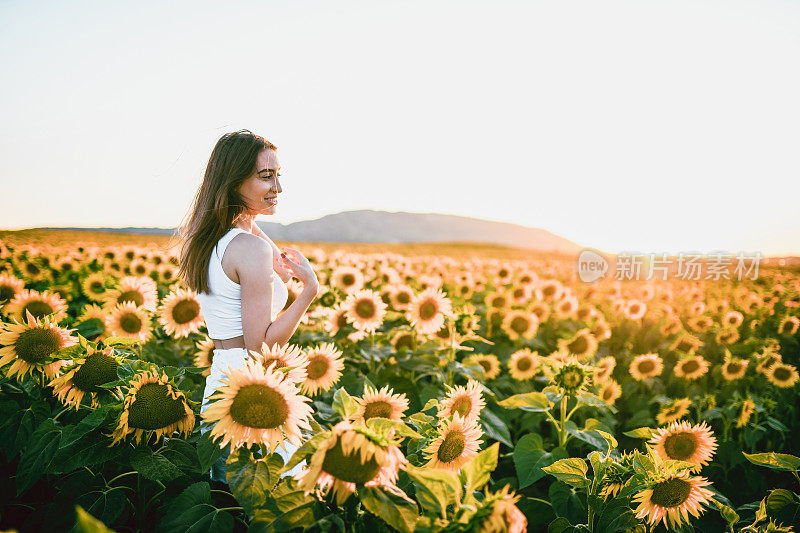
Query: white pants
[[222, 360]]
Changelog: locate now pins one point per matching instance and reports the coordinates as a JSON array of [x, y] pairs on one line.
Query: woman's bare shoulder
[[247, 251]]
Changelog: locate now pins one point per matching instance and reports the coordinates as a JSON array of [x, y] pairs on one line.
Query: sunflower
[[84, 376], [646, 366], [582, 345], [566, 308], [350, 456], [541, 310], [335, 319], [782, 375], [733, 367], [634, 309], [10, 286], [748, 406], [550, 290], [38, 304], [497, 300], [153, 406], [767, 361], [180, 313], [128, 320], [520, 324], [256, 405], [691, 368], [675, 411], [732, 319], [727, 336], [288, 357], [467, 402], [139, 290], [204, 356], [94, 286], [167, 273], [604, 368], [523, 364], [610, 391], [489, 363], [402, 295], [686, 343], [347, 278], [457, 442], [572, 376], [25, 345], [365, 309], [789, 325], [403, 340], [683, 442], [325, 366], [428, 310], [673, 498], [380, 404], [504, 516]]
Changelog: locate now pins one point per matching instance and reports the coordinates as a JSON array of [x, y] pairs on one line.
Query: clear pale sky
[[650, 126]]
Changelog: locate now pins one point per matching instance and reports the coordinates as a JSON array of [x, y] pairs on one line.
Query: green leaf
[[530, 458], [775, 461], [344, 404], [384, 424], [73, 433], [436, 489], [495, 428], [308, 448], [567, 502], [86, 523], [593, 400], [399, 513], [208, 451], [532, 401], [433, 402], [480, 468], [779, 498], [154, 466], [615, 515], [251, 480], [640, 433], [571, 471], [36, 457], [594, 437], [730, 516], [560, 525]]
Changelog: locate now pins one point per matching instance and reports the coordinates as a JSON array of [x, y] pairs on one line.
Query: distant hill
[[398, 227]]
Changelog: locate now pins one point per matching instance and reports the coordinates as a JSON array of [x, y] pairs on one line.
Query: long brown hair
[[217, 203]]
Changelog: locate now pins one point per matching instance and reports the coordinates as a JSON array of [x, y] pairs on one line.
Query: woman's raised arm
[[254, 266]]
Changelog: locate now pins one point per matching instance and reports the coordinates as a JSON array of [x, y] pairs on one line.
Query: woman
[[237, 271]]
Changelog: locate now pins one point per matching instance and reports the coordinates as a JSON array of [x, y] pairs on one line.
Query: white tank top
[[222, 308]]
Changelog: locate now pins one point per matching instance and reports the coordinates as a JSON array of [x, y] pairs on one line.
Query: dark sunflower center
[[647, 366], [317, 366], [140, 269], [35, 344], [38, 308], [519, 324], [444, 332], [131, 296], [404, 341], [6, 292], [579, 345], [348, 279], [349, 467], [96, 287], [519, 293], [607, 393], [782, 374], [66, 267], [341, 321], [671, 493], [278, 362], [462, 405], [403, 297], [769, 361], [503, 273], [379, 409], [498, 301], [98, 369], [452, 447], [549, 290], [153, 408], [328, 299], [167, 274], [487, 366], [365, 308], [428, 310], [185, 311], [684, 346], [680, 446], [259, 406], [691, 366], [524, 364], [733, 368], [32, 269], [572, 379], [130, 323]]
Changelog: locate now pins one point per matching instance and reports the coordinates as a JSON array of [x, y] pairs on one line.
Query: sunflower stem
[[231, 509], [60, 413], [562, 430], [119, 476]]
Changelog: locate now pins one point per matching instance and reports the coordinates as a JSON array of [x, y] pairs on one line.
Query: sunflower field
[[427, 392]]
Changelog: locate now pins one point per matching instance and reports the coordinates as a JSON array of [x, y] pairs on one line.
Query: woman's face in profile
[[260, 190]]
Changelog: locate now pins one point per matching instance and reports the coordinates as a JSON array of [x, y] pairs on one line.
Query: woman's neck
[[245, 223]]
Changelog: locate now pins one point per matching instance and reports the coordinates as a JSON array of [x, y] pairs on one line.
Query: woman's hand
[[299, 266]]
